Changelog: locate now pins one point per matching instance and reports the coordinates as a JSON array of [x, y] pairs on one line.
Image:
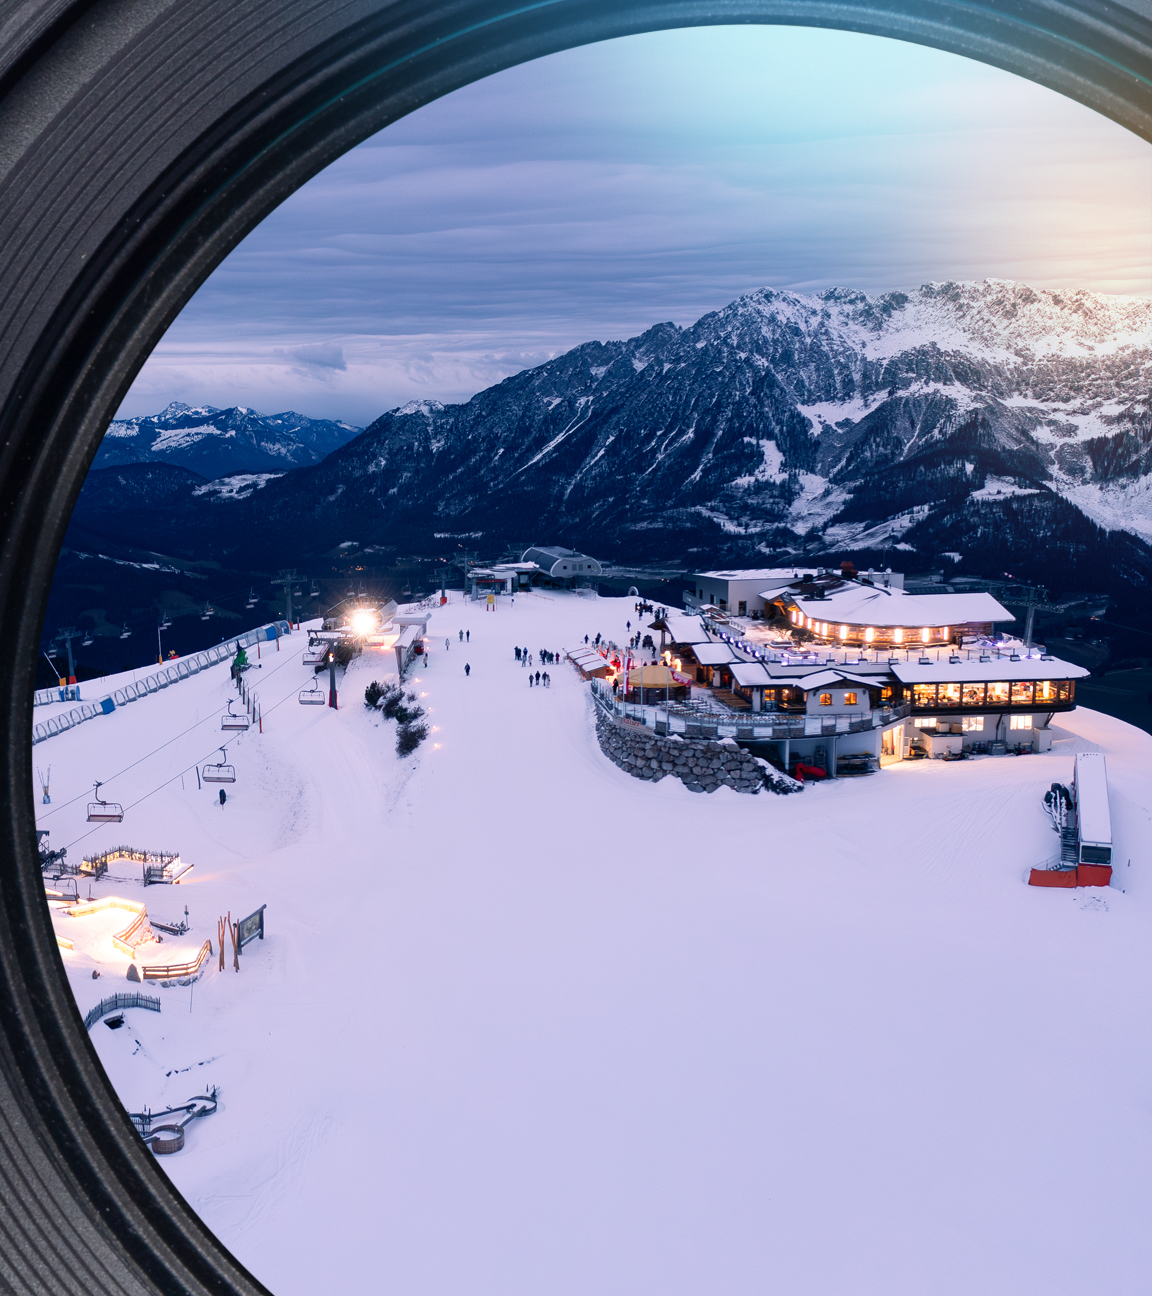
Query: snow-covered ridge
[[997, 319]]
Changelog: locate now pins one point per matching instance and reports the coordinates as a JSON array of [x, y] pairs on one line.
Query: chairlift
[[296, 593], [86, 642], [100, 811], [314, 592], [220, 771], [52, 651], [313, 695], [125, 633], [252, 600], [209, 612], [165, 621], [230, 721]]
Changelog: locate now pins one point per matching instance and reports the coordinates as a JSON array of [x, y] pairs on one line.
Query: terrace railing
[[707, 720]]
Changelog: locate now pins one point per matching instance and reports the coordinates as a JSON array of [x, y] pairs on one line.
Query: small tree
[[408, 714], [373, 693], [409, 737], [391, 699]]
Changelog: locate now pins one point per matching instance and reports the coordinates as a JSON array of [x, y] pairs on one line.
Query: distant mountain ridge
[[1004, 423], [214, 442]]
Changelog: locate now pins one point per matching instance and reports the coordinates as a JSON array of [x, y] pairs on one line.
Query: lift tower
[[288, 579], [65, 636]]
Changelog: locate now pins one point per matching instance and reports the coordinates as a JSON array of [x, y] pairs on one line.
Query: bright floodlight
[[364, 621]]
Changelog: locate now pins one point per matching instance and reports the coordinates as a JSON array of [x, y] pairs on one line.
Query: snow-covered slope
[[523, 1024]]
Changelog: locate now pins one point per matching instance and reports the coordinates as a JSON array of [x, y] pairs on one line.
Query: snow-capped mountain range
[[988, 419], [214, 442]]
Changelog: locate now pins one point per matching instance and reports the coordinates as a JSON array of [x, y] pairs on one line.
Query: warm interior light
[[870, 634], [364, 622], [898, 634], [843, 632], [925, 635]]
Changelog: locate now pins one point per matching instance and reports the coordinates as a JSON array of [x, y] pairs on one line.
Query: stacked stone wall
[[700, 764]]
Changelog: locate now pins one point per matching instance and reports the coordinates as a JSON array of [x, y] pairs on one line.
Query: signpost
[[249, 928]]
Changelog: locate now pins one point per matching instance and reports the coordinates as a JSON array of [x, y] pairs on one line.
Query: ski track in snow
[[522, 1024]]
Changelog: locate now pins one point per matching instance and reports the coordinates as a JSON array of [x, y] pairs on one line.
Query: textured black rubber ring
[[140, 140]]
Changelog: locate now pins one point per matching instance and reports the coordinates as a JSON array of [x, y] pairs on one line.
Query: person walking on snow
[[467, 669], [468, 635], [461, 636], [447, 644], [529, 681], [517, 653]]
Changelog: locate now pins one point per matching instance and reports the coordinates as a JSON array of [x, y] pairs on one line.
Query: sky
[[593, 193]]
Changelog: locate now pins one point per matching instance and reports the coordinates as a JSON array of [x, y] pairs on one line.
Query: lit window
[[1045, 691], [849, 699], [1020, 722], [998, 694], [870, 634], [944, 632], [843, 632], [825, 699], [925, 722], [973, 724], [925, 635], [824, 629], [898, 634]]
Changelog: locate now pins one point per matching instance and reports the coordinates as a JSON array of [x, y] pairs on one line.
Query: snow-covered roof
[[1092, 812], [750, 674], [755, 573], [714, 654], [998, 668], [825, 679], [854, 604], [686, 629]]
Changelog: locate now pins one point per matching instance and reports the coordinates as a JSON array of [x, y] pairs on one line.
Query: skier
[[467, 669], [537, 679], [447, 644], [223, 797], [529, 681], [517, 653], [468, 635]]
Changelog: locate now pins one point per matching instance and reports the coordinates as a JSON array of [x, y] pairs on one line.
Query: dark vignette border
[[140, 140]]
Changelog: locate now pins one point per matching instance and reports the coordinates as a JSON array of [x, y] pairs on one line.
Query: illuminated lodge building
[[878, 675], [858, 614]]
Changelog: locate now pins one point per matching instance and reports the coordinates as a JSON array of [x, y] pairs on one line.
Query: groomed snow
[[523, 1025]]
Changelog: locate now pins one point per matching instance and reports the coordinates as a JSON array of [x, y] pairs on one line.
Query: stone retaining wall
[[701, 764]]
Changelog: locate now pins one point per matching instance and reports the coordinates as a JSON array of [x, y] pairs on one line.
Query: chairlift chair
[[314, 592], [251, 598], [52, 651], [86, 642], [230, 721], [220, 771], [125, 633], [313, 695], [100, 811], [209, 611], [165, 621]]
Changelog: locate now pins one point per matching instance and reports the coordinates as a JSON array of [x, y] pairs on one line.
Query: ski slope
[[524, 1025]]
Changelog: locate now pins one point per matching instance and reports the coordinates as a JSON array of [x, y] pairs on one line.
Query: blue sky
[[601, 190]]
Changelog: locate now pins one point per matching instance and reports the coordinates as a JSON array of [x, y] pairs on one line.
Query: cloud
[[320, 355], [604, 189]]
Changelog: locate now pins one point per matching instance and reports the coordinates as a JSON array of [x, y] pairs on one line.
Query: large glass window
[[973, 694], [948, 695], [1020, 722], [973, 724], [924, 695], [1022, 693], [998, 694], [1066, 691], [1045, 691]]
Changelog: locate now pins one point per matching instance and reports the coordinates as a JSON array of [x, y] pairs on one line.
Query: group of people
[[539, 681]]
